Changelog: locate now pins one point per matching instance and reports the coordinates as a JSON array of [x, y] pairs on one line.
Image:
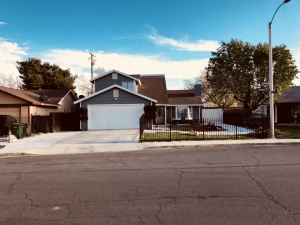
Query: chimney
[[197, 90]]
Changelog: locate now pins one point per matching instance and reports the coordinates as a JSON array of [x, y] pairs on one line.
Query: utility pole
[[93, 60]]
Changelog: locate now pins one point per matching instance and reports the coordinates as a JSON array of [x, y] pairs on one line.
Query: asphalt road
[[215, 185]]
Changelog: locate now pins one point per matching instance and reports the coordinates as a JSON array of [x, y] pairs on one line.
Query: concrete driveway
[[74, 142]]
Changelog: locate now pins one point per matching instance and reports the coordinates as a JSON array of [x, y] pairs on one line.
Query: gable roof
[[184, 97], [292, 95], [33, 96], [118, 72], [115, 86], [54, 96], [155, 87]]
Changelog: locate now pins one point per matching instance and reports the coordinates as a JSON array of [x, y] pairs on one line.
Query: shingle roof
[[154, 86], [181, 93], [292, 95], [184, 97], [185, 101], [33, 96], [54, 96]]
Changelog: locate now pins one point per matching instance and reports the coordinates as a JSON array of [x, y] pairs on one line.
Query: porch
[[167, 113]]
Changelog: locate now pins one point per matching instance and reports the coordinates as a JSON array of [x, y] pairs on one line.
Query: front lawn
[[287, 131], [163, 136]]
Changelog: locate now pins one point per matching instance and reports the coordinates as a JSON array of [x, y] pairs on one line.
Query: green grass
[[181, 137], [287, 131]]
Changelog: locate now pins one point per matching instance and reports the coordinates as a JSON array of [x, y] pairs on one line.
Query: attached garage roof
[[115, 86]]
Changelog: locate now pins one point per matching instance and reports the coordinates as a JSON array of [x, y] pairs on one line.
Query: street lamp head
[[286, 1]]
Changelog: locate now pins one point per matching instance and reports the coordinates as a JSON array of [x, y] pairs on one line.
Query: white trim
[[116, 71], [115, 86]]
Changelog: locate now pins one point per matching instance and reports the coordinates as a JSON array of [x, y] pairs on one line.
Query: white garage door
[[101, 117]]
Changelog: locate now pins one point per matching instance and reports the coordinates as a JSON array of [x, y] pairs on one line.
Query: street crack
[[267, 193], [11, 187]]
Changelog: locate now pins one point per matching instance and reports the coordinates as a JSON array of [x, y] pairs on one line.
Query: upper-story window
[[128, 85], [116, 93], [115, 76]]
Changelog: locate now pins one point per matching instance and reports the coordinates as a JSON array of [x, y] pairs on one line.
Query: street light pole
[[271, 96], [271, 88]]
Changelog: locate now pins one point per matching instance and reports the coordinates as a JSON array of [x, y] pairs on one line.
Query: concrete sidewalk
[[69, 143]]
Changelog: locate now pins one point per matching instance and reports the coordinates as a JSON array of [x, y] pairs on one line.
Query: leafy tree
[[218, 97], [239, 70], [37, 75]]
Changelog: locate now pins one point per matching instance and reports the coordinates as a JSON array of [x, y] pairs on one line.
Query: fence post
[[142, 124], [203, 127], [9, 133], [171, 130], [236, 132]]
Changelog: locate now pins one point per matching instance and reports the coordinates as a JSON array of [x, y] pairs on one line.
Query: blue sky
[[166, 33]]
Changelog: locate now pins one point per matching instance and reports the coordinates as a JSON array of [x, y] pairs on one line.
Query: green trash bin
[[18, 129]]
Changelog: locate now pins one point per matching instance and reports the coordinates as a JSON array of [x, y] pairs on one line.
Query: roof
[[155, 87], [181, 93], [184, 97], [115, 86], [185, 101], [54, 96], [116, 71], [33, 96], [292, 95]]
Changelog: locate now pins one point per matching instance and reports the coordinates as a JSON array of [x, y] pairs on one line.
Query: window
[[116, 93], [115, 76], [128, 85], [184, 112]]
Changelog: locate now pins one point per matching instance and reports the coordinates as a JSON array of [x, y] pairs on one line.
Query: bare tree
[[10, 81]]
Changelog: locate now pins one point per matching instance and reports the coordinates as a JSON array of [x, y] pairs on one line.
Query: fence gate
[[40, 124], [65, 121]]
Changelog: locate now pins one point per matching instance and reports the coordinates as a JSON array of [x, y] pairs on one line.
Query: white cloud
[[10, 52], [197, 46], [2, 23], [175, 70]]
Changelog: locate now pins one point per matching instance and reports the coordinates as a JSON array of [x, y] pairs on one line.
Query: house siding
[[66, 104], [10, 99], [107, 98], [107, 81]]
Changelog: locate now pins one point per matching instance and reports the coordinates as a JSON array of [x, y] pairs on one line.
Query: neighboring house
[[119, 100], [22, 104], [287, 107]]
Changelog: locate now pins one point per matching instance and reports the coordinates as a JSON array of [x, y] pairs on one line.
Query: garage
[[12, 111], [114, 116]]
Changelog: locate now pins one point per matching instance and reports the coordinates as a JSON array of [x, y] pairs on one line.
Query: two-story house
[[118, 101]]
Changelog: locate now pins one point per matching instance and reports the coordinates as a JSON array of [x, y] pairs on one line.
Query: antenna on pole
[[93, 60]]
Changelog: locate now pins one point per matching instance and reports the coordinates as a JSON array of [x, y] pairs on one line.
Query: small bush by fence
[[206, 129]]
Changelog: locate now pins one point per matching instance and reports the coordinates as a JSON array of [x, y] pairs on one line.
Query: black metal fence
[[206, 129]]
